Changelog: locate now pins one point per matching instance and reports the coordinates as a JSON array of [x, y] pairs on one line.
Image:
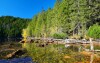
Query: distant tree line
[[69, 17], [11, 27]]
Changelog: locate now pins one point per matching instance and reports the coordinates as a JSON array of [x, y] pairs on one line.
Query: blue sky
[[24, 8]]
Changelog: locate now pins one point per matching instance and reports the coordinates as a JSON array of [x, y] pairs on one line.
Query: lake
[[50, 53]]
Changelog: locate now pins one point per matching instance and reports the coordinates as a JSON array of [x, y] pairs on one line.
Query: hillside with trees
[[11, 27], [66, 19]]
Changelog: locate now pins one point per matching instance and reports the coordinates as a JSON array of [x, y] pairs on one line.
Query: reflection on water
[[84, 48], [57, 53], [75, 53], [10, 49], [92, 57], [80, 47], [10, 40]]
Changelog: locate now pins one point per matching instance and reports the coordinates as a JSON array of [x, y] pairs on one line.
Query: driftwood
[[16, 53], [22, 41]]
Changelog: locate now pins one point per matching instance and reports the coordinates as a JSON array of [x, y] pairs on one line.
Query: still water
[[53, 53], [58, 53]]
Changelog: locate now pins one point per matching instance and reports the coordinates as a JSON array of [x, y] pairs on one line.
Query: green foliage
[[94, 31], [59, 35], [68, 17], [12, 26]]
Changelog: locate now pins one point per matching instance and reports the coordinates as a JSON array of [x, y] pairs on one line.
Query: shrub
[[94, 31], [59, 35]]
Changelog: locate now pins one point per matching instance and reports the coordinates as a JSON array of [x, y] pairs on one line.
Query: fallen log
[[16, 53]]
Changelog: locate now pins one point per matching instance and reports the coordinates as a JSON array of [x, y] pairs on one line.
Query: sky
[[24, 8]]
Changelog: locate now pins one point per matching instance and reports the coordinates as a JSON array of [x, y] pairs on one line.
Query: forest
[[11, 27], [68, 19]]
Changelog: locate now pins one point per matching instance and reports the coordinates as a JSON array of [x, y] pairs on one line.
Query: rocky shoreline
[[11, 50]]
